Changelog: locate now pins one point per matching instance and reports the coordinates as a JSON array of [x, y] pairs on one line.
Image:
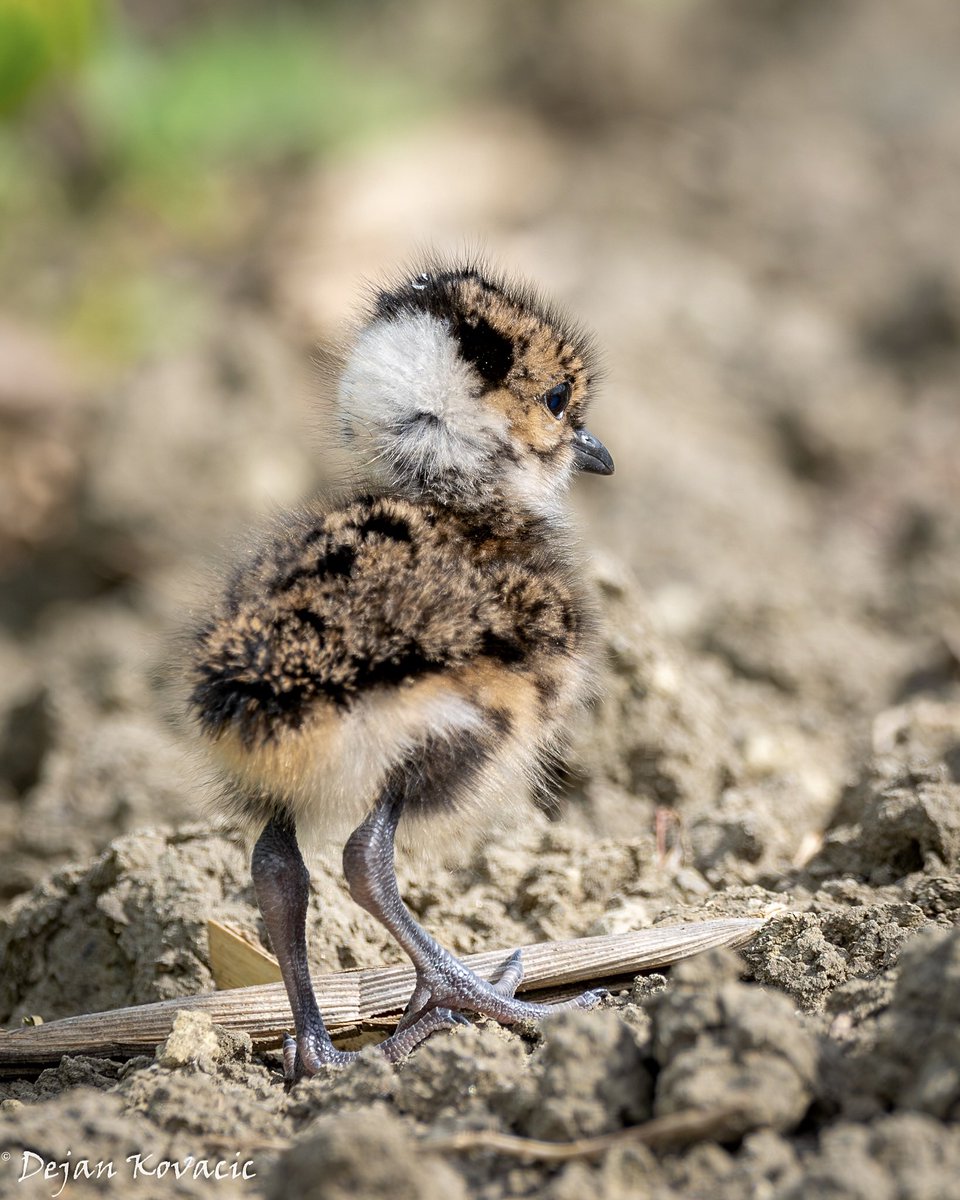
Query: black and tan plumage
[[411, 657]]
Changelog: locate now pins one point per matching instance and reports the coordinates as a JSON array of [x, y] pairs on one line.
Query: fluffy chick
[[411, 658]]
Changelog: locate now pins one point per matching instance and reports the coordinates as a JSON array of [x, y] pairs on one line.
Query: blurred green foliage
[[248, 87], [241, 90], [40, 40], [121, 150]]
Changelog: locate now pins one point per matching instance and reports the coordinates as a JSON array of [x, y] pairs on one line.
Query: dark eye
[[557, 399]]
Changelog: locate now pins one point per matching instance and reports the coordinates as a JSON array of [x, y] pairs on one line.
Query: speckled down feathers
[[379, 593], [430, 631]]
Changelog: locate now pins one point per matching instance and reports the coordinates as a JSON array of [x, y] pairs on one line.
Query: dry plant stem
[[353, 997], [676, 1129]]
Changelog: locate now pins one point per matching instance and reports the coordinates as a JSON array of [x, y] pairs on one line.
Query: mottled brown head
[[470, 390]]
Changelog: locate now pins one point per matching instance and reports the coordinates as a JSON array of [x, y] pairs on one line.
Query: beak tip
[[590, 454]]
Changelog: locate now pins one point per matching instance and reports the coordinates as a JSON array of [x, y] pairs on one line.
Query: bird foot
[[306, 1054], [446, 988]]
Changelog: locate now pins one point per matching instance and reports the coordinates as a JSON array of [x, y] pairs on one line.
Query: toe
[[289, 1059], [407, 1037], [511, 976], [591, 998]]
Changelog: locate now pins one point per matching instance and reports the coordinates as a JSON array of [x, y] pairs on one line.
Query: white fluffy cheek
[[400, 370], [407, 401]]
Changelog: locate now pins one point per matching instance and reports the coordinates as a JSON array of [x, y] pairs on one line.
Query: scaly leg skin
[[282, 885], [444, 985]]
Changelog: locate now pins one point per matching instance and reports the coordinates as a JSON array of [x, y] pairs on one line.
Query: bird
[[405, 661]]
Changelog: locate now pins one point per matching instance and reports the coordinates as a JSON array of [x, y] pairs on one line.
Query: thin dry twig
[[676, 1129], [352, 998]]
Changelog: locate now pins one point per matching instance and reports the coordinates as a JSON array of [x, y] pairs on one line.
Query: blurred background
[[753, 203]]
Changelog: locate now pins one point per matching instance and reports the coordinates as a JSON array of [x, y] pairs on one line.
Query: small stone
[[192, 1042]]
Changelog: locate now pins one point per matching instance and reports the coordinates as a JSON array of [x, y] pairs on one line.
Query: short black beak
[[590, 454]]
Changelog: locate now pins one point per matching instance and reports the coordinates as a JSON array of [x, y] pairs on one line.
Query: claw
[[511, 976], [289, 1059], [588, 999]]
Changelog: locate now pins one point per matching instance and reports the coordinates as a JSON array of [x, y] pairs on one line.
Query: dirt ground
[[754, 206]]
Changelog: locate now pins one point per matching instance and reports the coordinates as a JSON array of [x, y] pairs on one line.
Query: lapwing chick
[[407, 661]]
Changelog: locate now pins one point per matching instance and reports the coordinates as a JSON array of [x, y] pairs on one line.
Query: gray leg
[[443, 983], [282, 885]]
